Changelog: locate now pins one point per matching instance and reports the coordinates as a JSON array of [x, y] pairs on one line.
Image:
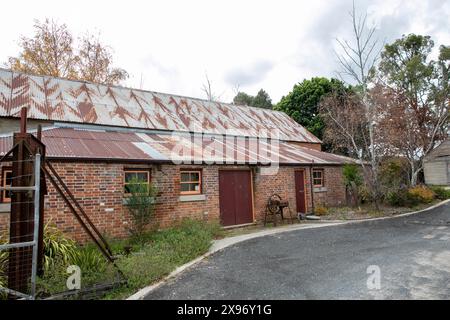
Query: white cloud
[[263, 44]]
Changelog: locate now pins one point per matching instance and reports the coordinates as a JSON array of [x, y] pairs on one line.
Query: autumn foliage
[[52, 51]]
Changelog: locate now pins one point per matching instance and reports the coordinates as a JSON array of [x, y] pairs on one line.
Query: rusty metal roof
[[56, 99], [72, 143]]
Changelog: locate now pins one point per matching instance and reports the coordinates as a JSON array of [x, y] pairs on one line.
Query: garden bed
[[143, 261], [368, 211]]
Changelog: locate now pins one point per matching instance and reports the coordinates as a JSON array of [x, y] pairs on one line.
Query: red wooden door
[[235, 197], [300, 191]]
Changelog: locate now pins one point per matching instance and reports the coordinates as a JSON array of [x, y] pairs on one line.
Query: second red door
[[300, 191]]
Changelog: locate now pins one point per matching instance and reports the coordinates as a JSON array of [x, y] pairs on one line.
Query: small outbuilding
[[437, 165]]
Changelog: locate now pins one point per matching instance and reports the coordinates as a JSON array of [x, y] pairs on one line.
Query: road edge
[[221, 244]]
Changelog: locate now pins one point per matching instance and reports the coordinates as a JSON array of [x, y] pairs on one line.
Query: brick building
[[208, 160]]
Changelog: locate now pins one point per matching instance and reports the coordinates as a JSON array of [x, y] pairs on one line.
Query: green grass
[[152, 257]]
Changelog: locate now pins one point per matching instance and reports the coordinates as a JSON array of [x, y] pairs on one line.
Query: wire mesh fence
[[19, 229], [66, 268]]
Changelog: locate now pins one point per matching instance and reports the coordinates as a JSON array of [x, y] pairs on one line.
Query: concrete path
[[412, 253]]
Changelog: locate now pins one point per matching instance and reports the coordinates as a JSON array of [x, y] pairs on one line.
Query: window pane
[[129, 176], [184, 176], [195, 176], [185, 187], [317, 182], [8, 175], [142, 176], [196, 187]]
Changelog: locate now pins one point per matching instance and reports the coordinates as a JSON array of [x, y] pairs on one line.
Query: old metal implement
[[275, 206]]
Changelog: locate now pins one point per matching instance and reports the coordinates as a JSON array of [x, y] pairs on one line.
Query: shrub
[[364, 194], [420, 194], [61, 252], [88, 259], [410, 197], [393, 174], [320, 210], [140, 203], [352, 175], [441, 193], [56, 247], [397, 198]]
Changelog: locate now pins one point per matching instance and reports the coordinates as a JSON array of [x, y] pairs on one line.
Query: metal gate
[[19, 253]]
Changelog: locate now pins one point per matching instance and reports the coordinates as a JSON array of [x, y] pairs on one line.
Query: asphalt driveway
[[412, 253]]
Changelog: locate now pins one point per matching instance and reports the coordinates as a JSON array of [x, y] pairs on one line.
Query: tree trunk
[[414, 174]]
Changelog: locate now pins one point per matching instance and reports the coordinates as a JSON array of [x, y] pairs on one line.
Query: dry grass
[[368, 211]]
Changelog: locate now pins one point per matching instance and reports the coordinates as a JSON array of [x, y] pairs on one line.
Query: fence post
[[37, 181]]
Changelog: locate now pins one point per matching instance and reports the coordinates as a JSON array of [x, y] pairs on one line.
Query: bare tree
[[236, 89], [207, 88], [357, 60], [346, 124]]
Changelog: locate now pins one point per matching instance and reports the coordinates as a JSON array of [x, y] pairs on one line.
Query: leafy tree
[[243, 99], [261, 100], [302, 103], [416, 98], [94, 62], [52, 52], [405, 65]]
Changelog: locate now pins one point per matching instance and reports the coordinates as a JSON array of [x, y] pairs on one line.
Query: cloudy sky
[[169, 45]]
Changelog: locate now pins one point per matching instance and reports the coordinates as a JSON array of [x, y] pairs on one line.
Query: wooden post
[[22, 207], [23, 120], [39, 132]]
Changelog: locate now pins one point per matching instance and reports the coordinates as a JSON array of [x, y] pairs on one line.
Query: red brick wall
[[99, 187], [282, 184], [333, 193], [169, 209]]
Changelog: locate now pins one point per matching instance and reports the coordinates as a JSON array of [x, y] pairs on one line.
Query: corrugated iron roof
[[72, 143], [56, 99]]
